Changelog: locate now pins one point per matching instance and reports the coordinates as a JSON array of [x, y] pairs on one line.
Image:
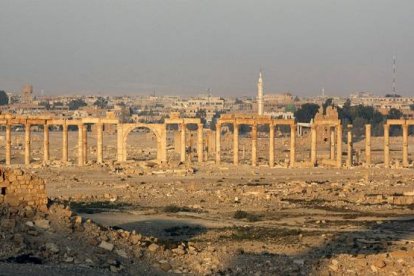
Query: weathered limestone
[[22, 189], [271, 146], [182, 146], [200, 144], [218, 146], [405, 145], [254, 145], [45, 143], [313, 145], [212, 143], [332, 140], [292, 145], [27, 144], [368, 145], [65, 143], [85, 144], [349, 147], [8, 145], [339, 147], [99, 143], [120, 144], [80, 145], [236, 144], [386, 145]]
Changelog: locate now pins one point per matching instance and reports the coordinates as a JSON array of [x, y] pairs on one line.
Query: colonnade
[[160, 131], [82, 124], [405, 124], [254, 122]]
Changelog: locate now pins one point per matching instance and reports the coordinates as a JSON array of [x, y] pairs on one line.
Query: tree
[[394, 114], [412, 107], [328, 102], [101, 102], [392, 96], [202, 114], [306, 112], [290, 108], [76, 104], [4, 99]]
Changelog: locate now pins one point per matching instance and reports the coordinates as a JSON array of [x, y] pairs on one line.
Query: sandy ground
[[309, 216]]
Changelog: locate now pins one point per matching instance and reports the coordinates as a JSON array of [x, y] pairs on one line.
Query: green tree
[[328, 102], [290, 108], [202, 114], [76, 104], [394, 114], [101, 102], [306, 112], [4, 99]]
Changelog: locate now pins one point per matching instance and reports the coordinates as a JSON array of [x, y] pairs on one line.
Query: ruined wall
[[18, 188]]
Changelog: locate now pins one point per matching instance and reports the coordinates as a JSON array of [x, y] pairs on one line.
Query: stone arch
[[158, 130]]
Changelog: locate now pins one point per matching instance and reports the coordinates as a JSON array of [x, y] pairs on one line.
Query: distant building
[[27, 94]]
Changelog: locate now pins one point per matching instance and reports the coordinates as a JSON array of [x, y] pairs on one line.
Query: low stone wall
[[18, 188]]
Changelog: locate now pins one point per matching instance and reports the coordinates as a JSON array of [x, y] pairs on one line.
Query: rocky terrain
[[140, 218]]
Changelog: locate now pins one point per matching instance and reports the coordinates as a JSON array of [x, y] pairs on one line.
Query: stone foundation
[[18, 188]]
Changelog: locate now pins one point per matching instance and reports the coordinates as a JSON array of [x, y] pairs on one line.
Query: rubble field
[[141, 218]]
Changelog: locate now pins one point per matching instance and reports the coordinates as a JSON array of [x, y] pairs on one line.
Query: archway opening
[[141, 145], [109, 137]]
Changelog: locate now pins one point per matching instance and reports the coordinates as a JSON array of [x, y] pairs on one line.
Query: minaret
[[260, 95]]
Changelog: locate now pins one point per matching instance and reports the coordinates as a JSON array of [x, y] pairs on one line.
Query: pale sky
[[185, 47]]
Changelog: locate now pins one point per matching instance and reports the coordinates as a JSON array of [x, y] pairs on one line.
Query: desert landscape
[[191, 218]]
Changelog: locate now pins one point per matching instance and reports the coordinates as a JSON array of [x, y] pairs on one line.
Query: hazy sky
[[187, 46]]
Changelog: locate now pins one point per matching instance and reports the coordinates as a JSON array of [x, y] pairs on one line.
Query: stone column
[[27, 144], [85, 143], [200, 143], [349, 146], [65, 143], [120, 142], [405, 145], [45, 143], [235, 144], [163, 144], [339, 146], [332, 131], [368, 145], [182, 142], [271, 145], [99, 143], [386, 146], [254, 145], [292, 146], [8, 144], [313, 145], [218, 146], [80, 145]]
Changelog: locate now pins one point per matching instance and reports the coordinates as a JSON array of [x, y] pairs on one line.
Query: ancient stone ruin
[[328, 126], [21, 189]]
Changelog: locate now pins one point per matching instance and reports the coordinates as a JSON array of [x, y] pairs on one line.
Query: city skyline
[[187, 47]]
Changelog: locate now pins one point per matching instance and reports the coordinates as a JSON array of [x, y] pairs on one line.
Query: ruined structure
[[324, 128], [21, 189], [328, 128], [236, 120]]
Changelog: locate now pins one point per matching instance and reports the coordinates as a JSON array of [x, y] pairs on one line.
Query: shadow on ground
[[376, 239]]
